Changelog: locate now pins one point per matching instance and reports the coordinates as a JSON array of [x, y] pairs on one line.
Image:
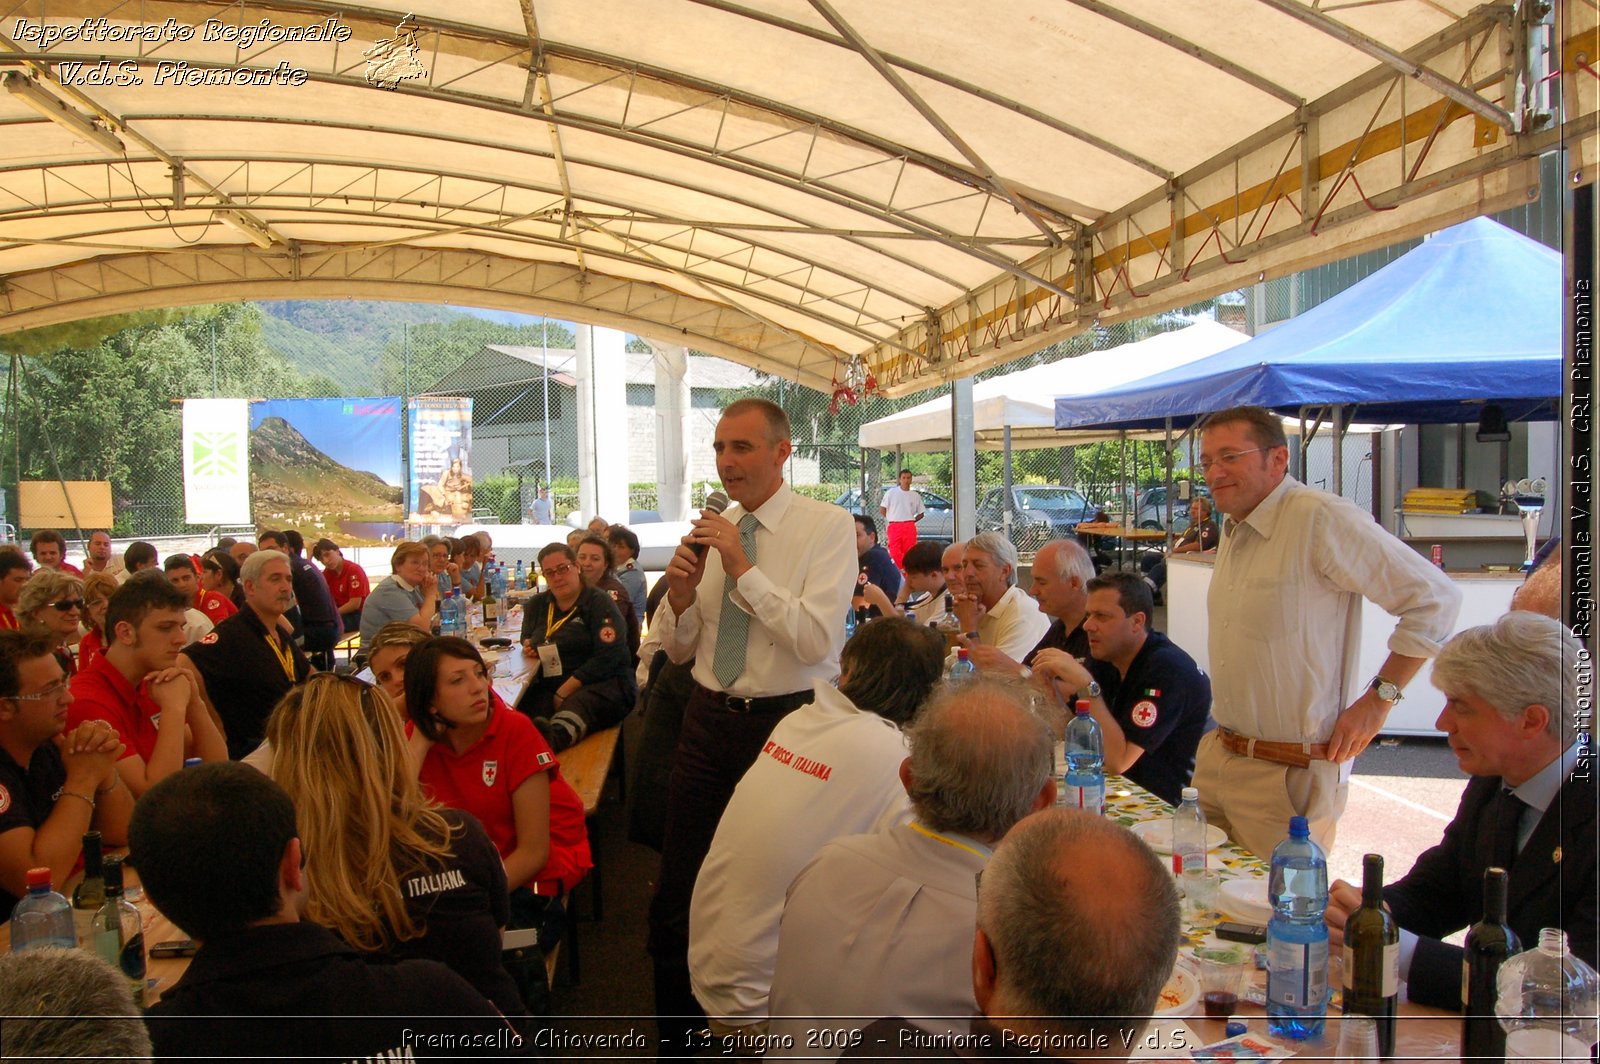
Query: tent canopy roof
[[1025, 400], [922, 189], [1469, 317]]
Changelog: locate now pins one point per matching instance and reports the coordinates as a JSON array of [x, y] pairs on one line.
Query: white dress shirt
[[796, 594], [1015, 625], [1285, 611], [829, 769]]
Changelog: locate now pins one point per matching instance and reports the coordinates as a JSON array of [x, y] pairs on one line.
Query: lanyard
[[549, 616], [284, 655], [948, 841]]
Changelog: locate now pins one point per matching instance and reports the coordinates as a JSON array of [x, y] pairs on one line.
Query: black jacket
[[1553, 884], [294, 991]]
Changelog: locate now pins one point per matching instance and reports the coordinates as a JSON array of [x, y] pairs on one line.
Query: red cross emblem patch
[[491, 769], [1145, 713], [5, 799]]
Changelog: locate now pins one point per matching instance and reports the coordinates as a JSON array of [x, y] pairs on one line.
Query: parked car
[[1039, 513], [938, 524], [1152, 511]]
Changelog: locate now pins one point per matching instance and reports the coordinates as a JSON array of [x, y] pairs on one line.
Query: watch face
[[1093, 690], [1387, 691]]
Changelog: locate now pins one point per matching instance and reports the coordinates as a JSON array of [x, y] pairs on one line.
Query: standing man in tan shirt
[[1285, 636]]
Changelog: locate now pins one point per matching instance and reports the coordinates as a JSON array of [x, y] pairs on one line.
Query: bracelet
[[116, 782], [63, 792]]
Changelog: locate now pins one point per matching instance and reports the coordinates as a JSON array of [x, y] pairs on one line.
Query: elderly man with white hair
[[993, 610], [1513, 691]]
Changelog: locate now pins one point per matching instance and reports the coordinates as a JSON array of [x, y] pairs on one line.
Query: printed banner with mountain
[[327, 467]]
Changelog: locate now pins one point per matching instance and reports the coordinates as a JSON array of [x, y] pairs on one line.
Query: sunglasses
[[67, 605]]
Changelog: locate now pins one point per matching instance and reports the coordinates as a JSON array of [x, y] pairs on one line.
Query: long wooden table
[[1423, 1033]]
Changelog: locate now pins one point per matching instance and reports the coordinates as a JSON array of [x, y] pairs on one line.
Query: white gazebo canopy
[[814, 188], [1025, 400]]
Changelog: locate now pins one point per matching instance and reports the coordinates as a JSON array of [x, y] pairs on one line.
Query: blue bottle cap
[[1235, 1028], [1298, 828]]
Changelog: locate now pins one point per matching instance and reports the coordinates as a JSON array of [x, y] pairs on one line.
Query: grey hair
[[250, 571], [979, 757], [68, 1004], [1072, 561], [1053, 961], [1520, 660], [43, 587], [999, 548]]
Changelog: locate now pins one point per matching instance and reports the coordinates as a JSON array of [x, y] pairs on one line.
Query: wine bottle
[[119, 932], [1372, 957], [1489, 942], [90, 894]]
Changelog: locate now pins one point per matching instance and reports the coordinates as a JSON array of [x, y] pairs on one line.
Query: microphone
[[716, 502]]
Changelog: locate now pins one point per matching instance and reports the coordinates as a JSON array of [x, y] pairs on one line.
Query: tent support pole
[[963, 458], [1338, 451], [1005, 481], [1166, 452]]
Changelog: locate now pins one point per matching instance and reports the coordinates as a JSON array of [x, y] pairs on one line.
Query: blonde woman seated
[[387, 655], [51, 605], [387, 869]]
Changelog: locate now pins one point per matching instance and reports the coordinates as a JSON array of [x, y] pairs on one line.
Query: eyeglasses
[[51, 693], [1225, 459], [559, 570], [67, 605]]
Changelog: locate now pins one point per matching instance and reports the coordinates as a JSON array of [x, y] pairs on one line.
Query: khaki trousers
[[1252, 800]]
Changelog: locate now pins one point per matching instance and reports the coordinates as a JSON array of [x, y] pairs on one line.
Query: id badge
[[550, 659]]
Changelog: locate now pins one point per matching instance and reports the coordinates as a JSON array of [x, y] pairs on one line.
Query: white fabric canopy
[[1025, 400], [918, 189]]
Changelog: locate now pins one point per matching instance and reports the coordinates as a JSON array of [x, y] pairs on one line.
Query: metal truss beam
[[116, 284]]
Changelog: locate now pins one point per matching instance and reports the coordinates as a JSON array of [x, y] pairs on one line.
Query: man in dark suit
[[1514, 691]]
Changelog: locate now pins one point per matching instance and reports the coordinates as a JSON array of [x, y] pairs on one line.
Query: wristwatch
[[1092, 690], [1388, 690]]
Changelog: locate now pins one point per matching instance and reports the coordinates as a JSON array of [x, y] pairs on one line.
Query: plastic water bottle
[[849, 624], [1548, 1001], [522, 576], [962, 669], [43, 919], [1084, 781], [1297, 939], [1188, 834], [455, 620]]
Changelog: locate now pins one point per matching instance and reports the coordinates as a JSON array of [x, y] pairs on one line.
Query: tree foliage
[[107, 409]]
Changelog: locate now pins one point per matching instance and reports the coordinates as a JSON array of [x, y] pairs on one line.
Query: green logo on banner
[[215, 455]]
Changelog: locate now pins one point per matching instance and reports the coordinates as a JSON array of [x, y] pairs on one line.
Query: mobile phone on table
[[1233, 932], [177, 947]]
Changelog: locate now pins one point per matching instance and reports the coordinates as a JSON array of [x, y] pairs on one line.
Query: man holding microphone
[[757, 597]]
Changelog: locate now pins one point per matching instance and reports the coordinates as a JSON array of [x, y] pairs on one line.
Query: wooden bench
[[586, 766]]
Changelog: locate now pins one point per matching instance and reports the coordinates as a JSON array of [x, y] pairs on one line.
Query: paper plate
[[1181, 994], [1157, 834], [1245, 900]]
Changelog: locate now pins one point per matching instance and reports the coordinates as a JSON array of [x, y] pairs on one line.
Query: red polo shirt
[[8, 620], [481, 781], [90, 648], [217, 607], [100, 692], [348, 583]]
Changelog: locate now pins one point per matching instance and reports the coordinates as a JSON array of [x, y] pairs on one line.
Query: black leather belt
[[762, 704]]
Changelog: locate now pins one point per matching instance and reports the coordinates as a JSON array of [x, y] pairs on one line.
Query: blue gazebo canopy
[[1472, 316]]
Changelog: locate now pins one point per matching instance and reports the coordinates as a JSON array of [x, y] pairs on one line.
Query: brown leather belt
[[1295, 755]]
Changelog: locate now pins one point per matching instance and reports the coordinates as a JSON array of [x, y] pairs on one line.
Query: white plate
[[1245, 900], [1186, 985], [1157, 834]]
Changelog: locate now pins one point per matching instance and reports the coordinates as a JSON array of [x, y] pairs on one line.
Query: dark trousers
[[715, 749], [319, 642], [591, 708]]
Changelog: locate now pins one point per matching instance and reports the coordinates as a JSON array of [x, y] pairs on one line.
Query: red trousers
[[902, 537]]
